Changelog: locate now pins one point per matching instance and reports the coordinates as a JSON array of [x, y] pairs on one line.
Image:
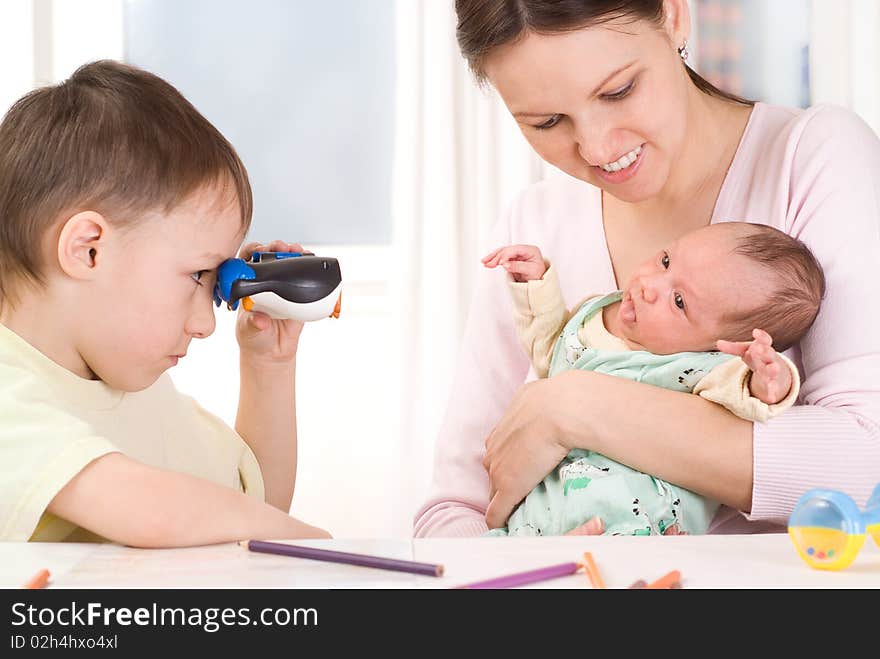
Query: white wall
[[16, 50], [845, 56]]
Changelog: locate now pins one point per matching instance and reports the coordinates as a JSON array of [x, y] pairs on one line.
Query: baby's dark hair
[[797, 291], [114, 139]]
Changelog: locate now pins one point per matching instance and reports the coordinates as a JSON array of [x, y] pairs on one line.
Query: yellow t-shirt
[[53, 423]]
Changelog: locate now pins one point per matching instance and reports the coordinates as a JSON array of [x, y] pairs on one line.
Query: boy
[[118, 200], [688, 320]]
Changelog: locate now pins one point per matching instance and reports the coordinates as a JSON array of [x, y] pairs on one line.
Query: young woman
[[601, 90]]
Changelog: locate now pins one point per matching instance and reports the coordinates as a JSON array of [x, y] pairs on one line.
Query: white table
[[756, 561]]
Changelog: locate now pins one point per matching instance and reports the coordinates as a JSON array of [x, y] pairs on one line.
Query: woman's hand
[[528, 442], [263, 339]]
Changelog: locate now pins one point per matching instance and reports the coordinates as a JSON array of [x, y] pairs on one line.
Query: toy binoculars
[[828, 529], [299, 286]]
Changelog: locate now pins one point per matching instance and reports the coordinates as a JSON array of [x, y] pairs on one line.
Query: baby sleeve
[[728, 384], [539, 314]]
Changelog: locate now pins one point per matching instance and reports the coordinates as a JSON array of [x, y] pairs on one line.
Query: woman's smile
[[622, 169]]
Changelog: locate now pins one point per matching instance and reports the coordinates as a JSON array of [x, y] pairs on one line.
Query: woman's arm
[[833, 440], [677, 437]]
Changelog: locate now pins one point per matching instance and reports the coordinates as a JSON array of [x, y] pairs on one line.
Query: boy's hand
[[260, 337], [771, 378], [523, 262]]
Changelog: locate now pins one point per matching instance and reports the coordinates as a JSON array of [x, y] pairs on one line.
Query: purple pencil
[[365, 560], [522, 578]]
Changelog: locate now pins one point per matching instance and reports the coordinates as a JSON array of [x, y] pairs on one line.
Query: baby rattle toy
[[828, 529], [299, 286]]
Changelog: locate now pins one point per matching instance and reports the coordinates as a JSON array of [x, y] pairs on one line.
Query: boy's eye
[[552, 121], [679, 301], [197, 276], [665, 261]]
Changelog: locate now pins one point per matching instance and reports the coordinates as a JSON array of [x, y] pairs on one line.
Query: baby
[[709, 315]]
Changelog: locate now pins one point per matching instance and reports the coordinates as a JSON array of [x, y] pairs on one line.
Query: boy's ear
[[82, 244], [678, 21]]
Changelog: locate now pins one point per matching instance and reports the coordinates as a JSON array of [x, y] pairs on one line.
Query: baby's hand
[[523, 262], [771, 378]]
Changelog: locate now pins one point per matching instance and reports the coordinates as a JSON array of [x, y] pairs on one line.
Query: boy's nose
[[201, 322]]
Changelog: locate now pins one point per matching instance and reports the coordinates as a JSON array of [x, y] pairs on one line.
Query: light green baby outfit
[[586, 483]]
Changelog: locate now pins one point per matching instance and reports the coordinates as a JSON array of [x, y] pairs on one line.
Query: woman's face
[[605, 104]]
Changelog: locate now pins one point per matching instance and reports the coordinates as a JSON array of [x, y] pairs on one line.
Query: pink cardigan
[[812, 173]]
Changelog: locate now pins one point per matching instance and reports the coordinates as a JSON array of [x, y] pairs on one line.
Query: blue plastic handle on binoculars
[[286, 285]]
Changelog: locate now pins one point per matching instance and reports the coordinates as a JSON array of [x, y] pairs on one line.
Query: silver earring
[[683, 51]]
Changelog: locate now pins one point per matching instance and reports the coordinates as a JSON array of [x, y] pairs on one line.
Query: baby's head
[[118, 200], [721, 282]]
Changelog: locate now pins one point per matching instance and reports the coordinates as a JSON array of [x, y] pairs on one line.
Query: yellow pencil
[[592, 571]]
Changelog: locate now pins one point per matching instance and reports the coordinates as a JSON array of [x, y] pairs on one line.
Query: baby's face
[[155, 292], [676, 301]]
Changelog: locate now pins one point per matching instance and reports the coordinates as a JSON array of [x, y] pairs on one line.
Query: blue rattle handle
[[828, 528], [872, 508]]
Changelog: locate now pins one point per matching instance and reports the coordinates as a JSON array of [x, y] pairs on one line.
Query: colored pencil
[[593, 571], [364, 560], [669, 580], [523, 578], [39, 580], [640, 583]]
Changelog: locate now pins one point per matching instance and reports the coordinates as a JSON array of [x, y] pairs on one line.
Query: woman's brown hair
[[484, 25]]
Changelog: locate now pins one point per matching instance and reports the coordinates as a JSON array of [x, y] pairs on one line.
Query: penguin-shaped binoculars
[[291, 285]]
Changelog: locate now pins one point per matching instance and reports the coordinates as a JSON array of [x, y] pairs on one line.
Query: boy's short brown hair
[[112, 138], [795, 294]]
